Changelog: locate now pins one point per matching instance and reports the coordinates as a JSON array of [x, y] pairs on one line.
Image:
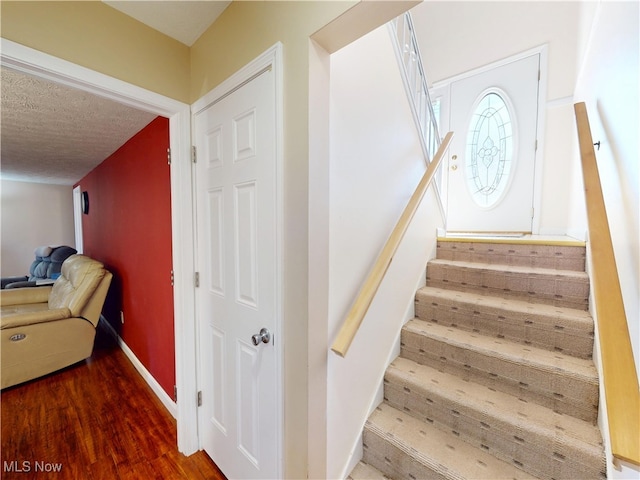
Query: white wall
[[608, 82], [33, 214], [458, 37], [375, 164]]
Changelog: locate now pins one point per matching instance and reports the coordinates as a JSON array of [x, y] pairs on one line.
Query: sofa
[[43, 270], [44, 329]]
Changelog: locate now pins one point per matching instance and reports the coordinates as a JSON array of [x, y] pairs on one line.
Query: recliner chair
[[44, 329], [44, 269]]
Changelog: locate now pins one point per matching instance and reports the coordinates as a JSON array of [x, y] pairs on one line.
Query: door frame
[[271, 59], [77, 218], [543, 51], [48, 67]]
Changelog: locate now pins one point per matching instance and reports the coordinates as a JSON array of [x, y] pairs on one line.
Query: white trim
[[540, 138], [270, 59], [543, 52], [40, 64], [490, 66], [560, 102], [168, 403], [77, 218]]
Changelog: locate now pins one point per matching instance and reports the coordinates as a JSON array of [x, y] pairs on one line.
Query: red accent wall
[[128, 228]]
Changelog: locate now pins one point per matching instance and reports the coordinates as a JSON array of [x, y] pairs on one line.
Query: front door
[[237, 296], [494, 116]]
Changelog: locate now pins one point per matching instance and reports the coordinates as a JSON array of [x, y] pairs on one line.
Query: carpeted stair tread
[[364, 471], [491, 420], [403, 447], [516, 252], [553, 362], [567, 330], [519, 269], [561, 382], [567, 288]]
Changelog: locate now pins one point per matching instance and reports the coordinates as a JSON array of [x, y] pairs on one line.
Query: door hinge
[[169, 156], [194, 156], [539, 75], [199, 399], [536, 147], [532, 212], [175, 393], [197, 279], [173, 278]]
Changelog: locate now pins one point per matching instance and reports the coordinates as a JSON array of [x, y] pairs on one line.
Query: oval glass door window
[[490, 147]]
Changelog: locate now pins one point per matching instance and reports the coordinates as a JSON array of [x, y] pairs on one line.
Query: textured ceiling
[[182, 20], [54, 134]]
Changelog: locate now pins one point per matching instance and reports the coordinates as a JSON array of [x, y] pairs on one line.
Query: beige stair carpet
[[562, 288], [563, 383], [556, 256], [548, 327], [495, 377]]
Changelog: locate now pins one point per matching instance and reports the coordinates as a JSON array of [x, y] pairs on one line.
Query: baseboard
[[165, 399], [577, 233]]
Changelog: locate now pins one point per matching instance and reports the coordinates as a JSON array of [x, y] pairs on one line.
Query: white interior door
[[237, 297], [494, 116]]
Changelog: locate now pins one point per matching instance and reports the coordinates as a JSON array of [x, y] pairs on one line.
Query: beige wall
[[243, 32], [96, 36], [33, 214]]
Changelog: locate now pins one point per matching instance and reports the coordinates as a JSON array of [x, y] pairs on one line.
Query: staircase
[[495, 378]]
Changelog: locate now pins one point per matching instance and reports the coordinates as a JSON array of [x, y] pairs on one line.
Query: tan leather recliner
[[44, 329]]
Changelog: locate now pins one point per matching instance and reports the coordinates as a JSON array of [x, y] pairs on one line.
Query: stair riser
[[537, 330], [518, 444], [393, 461], [561, 393], [542, 256], [364, 471], [537, 287]]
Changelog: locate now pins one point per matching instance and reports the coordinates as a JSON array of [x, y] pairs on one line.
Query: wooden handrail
[[619, 371], [372, 283]]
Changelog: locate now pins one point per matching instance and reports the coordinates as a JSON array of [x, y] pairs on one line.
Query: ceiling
[[55, 134], [184, 21]]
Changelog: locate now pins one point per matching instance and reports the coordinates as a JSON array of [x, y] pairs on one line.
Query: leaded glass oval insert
[[489, 155]]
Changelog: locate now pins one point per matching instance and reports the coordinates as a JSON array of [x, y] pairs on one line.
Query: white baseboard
[[166, 400]]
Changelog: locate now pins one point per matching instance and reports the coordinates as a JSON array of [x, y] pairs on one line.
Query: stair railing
[[619, 373], [405, 45], [374, 279]]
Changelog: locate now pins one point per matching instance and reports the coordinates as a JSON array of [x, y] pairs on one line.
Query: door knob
[[264, 336]]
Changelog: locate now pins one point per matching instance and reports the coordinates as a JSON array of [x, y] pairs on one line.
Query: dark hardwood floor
[[96, 420]]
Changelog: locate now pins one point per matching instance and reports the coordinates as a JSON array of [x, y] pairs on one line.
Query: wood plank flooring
[[96, 420]]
